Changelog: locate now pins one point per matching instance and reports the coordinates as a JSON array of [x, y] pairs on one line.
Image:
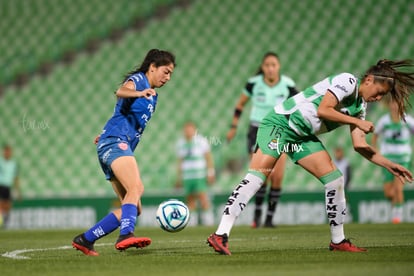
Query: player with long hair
[[395, 134], [266, 89], [136, 102], [293, 128]]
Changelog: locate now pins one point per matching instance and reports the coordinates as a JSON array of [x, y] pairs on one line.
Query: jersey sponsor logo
[[332, 209], [273, 144], [123, 146], [341, 87], [281, 148], [150, 107], [261, 97], [233, 197]]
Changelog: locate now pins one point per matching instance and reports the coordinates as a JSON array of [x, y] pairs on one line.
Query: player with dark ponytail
[[400, 81], [136, 102], [337, 100]]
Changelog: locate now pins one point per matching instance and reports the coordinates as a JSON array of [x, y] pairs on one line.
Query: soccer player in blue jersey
[[265, 90], [136, 102], [293, 128]]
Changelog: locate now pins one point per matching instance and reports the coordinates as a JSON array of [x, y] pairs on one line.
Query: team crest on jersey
[[273, 145], [123, 146]]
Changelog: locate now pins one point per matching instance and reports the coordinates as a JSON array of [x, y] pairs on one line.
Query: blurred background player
[[136, 102], [195, 172], [265, 90], [328, 104], [9, 180], [343, 165], [394, 132]]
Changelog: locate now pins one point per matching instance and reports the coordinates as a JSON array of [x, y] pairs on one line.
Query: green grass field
[[286, 250]]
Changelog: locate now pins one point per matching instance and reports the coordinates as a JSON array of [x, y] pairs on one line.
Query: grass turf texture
[[286, 250]]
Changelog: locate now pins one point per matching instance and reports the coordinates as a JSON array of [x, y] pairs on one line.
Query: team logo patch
[[273, 145], [123, 146]]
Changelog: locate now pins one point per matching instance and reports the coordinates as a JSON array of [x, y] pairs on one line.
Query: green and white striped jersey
[[395, 143], [302, 108], [192, 153]]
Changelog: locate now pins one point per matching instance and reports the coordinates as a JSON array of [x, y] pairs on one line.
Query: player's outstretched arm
[[371, 154]]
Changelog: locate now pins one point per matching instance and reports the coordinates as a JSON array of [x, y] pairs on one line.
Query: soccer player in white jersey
[[195, 172], [293, 128], [395, 134], [265, 90]]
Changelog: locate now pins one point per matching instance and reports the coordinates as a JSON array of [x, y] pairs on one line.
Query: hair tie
[[383, 62]]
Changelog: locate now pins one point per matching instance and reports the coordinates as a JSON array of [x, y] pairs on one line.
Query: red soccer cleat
[[396, 220], [219, 243], [127, 241], [81, 244], [345, 245]]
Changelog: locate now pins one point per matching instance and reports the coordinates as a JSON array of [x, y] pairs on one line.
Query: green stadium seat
[[217, 48]]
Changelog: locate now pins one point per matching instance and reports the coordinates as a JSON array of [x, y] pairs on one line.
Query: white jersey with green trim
[[395, 142], [192, 153], [302, 108]]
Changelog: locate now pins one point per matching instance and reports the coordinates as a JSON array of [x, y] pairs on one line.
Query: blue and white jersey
[[131, 115]]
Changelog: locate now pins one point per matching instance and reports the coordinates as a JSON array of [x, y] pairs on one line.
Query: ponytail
[[400, 78]]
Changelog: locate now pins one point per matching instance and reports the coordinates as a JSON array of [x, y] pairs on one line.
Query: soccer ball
[[173, 215]]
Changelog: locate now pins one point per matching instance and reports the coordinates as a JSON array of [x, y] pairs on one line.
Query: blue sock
[[102, 228], [128, 219]]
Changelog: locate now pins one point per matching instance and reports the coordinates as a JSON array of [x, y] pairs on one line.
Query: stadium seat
[[52, 121]]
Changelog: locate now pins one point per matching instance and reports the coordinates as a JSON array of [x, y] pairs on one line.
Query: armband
[[237, 112]]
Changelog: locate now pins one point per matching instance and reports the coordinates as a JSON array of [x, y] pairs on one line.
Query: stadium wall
[[294, 208]]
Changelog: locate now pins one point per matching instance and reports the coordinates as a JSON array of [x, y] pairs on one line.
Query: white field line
[[17, 254]]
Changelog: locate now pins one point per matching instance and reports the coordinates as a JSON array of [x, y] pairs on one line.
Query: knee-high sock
[[274, 196], [238, 200], [335, 204], [105, 226], [128, 218], [259, 198]]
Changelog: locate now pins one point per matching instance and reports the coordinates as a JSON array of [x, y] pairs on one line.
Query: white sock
[[238, 200], [335, 205], [397, 211], [207, 217], [193, 221], [400, 212]]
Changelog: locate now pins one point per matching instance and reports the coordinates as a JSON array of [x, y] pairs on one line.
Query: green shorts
[[275, 137], [388, 177], [195, 186]]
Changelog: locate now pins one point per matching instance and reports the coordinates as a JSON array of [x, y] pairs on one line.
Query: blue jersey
[[131, 115]]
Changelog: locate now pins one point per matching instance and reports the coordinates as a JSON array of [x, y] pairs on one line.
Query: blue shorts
[[110, 149]]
